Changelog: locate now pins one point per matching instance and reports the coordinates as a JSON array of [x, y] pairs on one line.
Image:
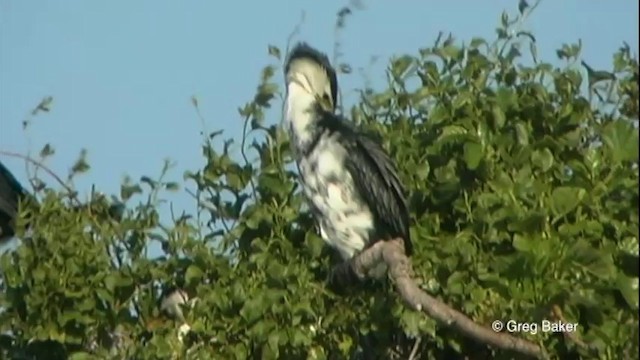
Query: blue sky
[[122, 72]]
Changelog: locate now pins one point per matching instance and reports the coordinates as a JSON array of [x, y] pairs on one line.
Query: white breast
[[345, 222], [298, 118]]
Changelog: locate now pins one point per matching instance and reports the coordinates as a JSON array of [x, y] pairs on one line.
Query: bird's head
[[311, 71]]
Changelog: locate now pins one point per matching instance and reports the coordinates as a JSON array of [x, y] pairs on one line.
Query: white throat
[[299, 114]]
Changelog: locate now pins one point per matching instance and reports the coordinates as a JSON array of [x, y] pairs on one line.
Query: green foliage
[[524, 195]]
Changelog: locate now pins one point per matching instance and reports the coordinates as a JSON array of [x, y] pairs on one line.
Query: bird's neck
[[301, 117]]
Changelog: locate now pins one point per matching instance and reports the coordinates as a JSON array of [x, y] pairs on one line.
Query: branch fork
[[400, 270]]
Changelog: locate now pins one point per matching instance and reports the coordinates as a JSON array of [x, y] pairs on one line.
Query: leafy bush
[[524, 197]]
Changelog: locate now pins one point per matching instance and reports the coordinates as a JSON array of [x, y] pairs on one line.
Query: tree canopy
[[523, 181]]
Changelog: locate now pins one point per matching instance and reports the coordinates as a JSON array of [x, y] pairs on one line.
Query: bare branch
[[414, 351], [557, 313], [399, 265], [294, 33]]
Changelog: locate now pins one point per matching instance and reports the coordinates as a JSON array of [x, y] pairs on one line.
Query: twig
[[341, 17], [243, 153], [39, 165], [414, 351], [399, 265], [294, 32], [573, 336]]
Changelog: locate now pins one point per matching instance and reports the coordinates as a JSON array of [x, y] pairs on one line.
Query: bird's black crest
[[302, 50]]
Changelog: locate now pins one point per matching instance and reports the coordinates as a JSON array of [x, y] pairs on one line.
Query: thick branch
[[392, 253]]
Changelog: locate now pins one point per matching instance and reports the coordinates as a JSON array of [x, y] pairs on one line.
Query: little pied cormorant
[[350, 182]]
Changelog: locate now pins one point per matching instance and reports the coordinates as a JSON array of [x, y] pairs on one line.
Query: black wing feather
[[374, 173], [11, 193]]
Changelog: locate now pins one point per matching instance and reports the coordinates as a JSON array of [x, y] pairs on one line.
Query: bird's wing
[[375, 177], [10, 192]]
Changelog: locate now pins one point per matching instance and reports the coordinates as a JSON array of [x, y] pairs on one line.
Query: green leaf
[[522, 134], [274, 51], [542, 159], [193, 274], [313, 243], [81, 355], [110, 282], [149, 181], [300, 339], [46, 151], [498, 116], [273, 184], [235, 182], [275, 270], [81, 165], [530, 223], [455, 283], [44, 105], [621, 139], [523, 244], [450, 52], [451, 132], [39, 274], [502, 183], [522, 6], [422, 171], [506, 98], [591, 259], [411, 322], [172, 186], [401, 66], [240, 351], [273, 341], [504, 20], [476, 42], [431, 74], [566, 198], [473, 154], [628, 287], [252, 310], [488, 199]]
